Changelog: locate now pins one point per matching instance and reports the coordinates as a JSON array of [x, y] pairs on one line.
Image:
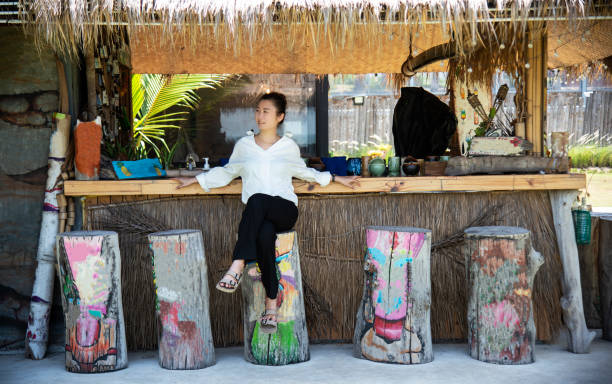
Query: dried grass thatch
[[332, 240], [70, 24]]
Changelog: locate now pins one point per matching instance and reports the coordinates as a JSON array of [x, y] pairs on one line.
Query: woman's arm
[[301, 171], [217, 176]]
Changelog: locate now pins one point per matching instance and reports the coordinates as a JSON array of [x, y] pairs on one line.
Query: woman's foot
[[230, 281], [268, 320]]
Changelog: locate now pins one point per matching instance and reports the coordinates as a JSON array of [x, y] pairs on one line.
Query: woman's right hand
[[185, 181]]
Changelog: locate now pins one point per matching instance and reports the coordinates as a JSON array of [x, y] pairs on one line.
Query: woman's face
[[267, 116]]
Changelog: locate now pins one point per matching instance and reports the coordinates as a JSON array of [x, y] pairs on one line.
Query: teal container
[[582, 226]]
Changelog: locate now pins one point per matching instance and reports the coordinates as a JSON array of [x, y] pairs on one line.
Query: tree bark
[[290, 342], [181, 285], [571, 302], [393, 320], [588, 256], [89, 268], [605, 274], [42, 293], [460, 165], [501, 266]]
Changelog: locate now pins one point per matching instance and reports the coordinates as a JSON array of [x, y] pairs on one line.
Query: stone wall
[[28, 98]]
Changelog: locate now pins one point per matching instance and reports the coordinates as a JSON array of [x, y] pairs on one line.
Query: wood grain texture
[[393, 321], [571, 302], [290, 342], [89, 268], [605, 274], [499, 146], [588, 256], [501, 266], [460, 165], [368, 185], [182, 300]]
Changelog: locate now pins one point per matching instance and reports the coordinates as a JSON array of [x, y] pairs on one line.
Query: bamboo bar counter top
[[331, 230], [527, 182]]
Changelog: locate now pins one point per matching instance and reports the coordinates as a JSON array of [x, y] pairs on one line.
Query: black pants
[[262, 218]]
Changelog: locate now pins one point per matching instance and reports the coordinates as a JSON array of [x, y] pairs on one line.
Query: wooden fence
[[588, 119]]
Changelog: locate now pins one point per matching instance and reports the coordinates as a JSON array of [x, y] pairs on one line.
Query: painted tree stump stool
[[393, 320], [181, 287], [501, 266], [290, 342], [89, 267]]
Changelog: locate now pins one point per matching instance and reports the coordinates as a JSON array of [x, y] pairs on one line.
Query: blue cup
[[354, 166], [336, 165]]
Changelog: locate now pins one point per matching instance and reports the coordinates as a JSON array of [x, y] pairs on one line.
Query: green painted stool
[[290, 342]]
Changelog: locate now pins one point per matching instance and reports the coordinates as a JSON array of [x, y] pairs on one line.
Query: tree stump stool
[[290, 342], [501, 265], [89, 268], [393, 320], [605, 275], [181, 287]]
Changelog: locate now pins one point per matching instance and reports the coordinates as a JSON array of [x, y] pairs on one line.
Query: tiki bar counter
[[462, 221], [331, 229]]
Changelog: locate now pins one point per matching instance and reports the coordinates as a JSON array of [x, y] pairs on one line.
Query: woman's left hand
[[349, 181]]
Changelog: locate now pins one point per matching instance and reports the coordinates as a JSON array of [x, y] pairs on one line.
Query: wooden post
[[89, 268], [588, 256], [290, 342], [42, 292], [571, 302], [605, 274], [501, 266], [181, 286], [393, 320], [535, 91]]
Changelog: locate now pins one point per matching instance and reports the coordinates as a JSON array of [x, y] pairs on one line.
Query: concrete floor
[[332, 364]]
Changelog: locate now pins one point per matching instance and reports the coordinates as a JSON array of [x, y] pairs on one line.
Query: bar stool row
[[393, 319]]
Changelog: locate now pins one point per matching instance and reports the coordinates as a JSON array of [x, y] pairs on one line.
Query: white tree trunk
[[501, 266], [571, 302], [42, 292], [89, 269], [181, 286], [393, 320]]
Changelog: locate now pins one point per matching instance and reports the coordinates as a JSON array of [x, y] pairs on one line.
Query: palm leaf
[[153, 95]]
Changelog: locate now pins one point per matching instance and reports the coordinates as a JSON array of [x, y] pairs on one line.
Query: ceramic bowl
[[377, 167], [411, 168]]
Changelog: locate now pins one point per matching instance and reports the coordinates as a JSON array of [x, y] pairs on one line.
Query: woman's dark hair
[[279, 100]]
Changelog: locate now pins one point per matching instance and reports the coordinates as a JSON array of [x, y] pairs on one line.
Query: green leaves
[[152, 96]]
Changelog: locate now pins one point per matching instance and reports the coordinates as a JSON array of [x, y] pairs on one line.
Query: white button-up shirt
[[268, 171]]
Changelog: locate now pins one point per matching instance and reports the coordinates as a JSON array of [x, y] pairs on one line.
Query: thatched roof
[[236, 24]]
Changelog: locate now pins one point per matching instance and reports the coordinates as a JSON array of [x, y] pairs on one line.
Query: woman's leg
[[281, 215], [252, 218], [245, 249], [266, 258]]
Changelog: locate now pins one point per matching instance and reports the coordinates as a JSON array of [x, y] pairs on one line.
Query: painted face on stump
[[267, 116]]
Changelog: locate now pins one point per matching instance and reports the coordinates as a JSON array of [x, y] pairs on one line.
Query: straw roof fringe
[[71, 24]]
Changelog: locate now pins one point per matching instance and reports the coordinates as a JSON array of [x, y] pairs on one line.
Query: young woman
[[266, 162]]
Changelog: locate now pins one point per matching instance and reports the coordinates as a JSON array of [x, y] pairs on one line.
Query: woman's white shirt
[[268, 171]]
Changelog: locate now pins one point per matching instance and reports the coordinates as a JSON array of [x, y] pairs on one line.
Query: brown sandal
[[233, 282], [268, 325]]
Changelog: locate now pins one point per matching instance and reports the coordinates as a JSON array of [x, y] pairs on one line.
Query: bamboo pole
[[535, 92]]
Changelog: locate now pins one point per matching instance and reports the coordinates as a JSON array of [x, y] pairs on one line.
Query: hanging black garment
[[422, 124]]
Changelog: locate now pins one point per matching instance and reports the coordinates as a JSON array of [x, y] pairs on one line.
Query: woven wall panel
[[332, 242], [367, 50]]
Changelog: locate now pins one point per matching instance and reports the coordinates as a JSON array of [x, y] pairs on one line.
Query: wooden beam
[[368, 185]]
